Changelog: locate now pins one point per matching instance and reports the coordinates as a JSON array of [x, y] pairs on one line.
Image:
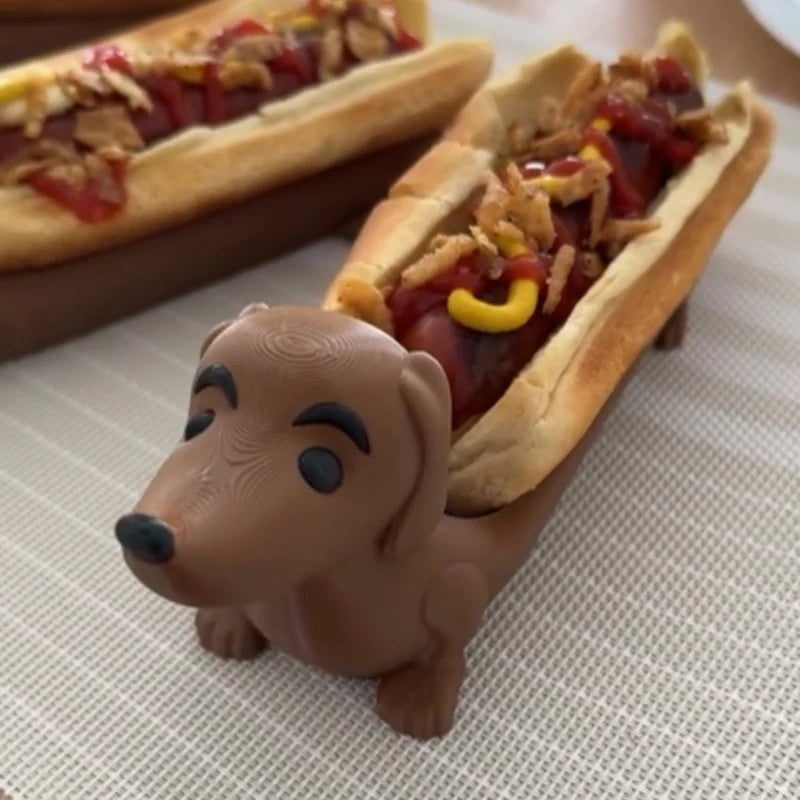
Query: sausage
[[479, 368], [644, 150]]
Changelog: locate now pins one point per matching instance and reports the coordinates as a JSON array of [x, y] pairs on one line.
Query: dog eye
[[197, 424], [321, 469]]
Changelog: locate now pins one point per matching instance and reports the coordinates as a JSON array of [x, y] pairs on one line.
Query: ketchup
[[108, 55], [645, 120], [571, 223], [90, 203], [649, 121], [408, 305], [532, 268], [215, 109], [316, 8], [625, 199], [679, 151], [643, 148], [178, 104], [531, 169], [479, 368], [295, 62], [639, 167], [406, 40], [224, 38], [171, 93], [578, 283], [421, 321], [672, 77], [565, 167]]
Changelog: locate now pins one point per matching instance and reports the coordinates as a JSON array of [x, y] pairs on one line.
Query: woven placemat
[[649, 649]]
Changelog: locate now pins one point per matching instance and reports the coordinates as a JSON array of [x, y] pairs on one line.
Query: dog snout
[[145, 537]]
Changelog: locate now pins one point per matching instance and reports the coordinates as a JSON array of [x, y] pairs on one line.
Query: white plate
[[781, 18]]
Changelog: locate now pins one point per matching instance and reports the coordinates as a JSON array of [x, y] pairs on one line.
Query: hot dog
[[209, 107], [542, 244]]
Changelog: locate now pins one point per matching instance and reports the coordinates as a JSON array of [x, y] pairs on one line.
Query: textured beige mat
[[650, 648]]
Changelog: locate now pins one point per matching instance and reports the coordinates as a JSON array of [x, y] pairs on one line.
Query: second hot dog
[[208, 107]]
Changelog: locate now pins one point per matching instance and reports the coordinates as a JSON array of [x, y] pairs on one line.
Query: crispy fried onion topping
[[514, 214], [364, 41], [43, 154], [562, 266], [331, 53], [366, 34], [65, 162], [443, 253], [107, 126], [702, 127], [235, 73], [35, 109], [364, 301]]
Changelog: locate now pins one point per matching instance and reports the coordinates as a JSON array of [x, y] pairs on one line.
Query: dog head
[[311, 438]]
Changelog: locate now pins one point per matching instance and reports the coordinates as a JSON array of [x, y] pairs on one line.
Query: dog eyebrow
[[338, 416], [220, 376]]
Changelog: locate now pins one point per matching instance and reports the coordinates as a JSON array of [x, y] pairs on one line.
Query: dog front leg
[[420, 698], [227, 632]]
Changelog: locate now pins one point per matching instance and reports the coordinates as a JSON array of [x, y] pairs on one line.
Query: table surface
[[735, 42], [648, 650]]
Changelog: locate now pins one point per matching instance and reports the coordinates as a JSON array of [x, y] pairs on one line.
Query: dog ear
[[426, 393], [223, 326]]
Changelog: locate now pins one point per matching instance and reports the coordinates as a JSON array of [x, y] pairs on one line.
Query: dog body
[[305, 510]]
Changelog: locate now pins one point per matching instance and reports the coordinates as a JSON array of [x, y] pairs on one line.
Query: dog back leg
[[420, 699]]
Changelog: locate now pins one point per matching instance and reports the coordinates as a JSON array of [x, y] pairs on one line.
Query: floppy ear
[[426, 394], [223, 326]]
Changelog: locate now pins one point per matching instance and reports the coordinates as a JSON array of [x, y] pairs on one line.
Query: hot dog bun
[[206, 168], [552, 402]]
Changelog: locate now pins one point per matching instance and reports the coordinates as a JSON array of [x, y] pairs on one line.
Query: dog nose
[[146, 537]]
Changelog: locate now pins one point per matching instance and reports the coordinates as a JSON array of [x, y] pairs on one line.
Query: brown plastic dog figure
[[305, 510]]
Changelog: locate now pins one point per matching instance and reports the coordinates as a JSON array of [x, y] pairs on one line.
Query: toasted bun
[[554, 400], [202, 169]]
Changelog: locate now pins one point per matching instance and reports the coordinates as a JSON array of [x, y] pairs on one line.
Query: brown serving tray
[[41, 307], [34, 27]]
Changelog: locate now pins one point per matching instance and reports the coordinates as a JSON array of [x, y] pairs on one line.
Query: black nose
[[146, 537]]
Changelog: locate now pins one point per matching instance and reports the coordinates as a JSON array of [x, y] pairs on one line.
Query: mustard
[[304, 22], [299, 22], [466, 309], [590, 152], [523, 294], [17, 88], [550, 183], [511, 248], [13, 90], [194, 74]]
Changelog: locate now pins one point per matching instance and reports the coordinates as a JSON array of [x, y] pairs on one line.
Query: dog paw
[[226, 632], [420, 700]]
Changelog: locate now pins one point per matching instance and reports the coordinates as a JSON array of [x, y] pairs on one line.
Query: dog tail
[[510, 533]]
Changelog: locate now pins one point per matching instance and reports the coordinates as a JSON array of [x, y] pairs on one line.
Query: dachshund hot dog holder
[[304, 510]]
